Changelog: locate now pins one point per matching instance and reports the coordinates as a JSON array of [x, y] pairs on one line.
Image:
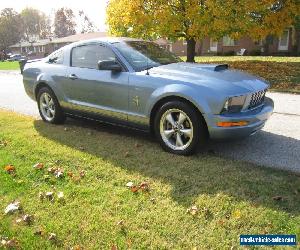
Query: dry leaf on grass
[[10, 244], [27, 219], [10, 169], [114, 247], [144, 186], [193, 210], [12, 207], [134, 189], [38, 166], [52, 237], [129, 184], [49, 196], [82, 173]]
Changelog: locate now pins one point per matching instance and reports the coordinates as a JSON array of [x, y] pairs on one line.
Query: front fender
[[196, 96]]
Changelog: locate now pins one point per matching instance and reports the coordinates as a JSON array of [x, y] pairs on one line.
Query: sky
[[94, 9]]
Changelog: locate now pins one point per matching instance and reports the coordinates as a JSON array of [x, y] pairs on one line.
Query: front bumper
[[256, 120]]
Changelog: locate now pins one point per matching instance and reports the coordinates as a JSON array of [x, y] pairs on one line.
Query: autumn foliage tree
[[64, 22], [194, 20]]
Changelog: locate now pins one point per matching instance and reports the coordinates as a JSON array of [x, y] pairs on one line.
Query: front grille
[[257, 99]]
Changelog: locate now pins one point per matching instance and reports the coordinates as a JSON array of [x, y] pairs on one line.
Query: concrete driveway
[[277, 145]]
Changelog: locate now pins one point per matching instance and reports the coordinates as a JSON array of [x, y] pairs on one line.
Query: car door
[[91, 90]]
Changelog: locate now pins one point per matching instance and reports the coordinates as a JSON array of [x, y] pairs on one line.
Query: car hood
[[214, 76]]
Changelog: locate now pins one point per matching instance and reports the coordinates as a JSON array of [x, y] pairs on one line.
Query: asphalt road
[[276, 146]]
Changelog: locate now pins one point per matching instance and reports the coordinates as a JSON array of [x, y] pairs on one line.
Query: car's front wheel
[[49, 107], [179, 128]]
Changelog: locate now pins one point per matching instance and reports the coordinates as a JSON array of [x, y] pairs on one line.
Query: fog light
[[232, 124]]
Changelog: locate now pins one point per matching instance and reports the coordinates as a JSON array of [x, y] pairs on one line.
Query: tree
[[10, 32], [36, 25], [86, 25], [194, 20], [64, 24]]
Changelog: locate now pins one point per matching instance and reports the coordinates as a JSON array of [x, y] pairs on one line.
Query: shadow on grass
[[189, 177]]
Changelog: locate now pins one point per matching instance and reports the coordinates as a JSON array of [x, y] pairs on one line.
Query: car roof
[[110, 40]]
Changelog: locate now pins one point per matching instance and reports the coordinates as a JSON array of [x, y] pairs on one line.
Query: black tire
[[198, 128], [59, 116]]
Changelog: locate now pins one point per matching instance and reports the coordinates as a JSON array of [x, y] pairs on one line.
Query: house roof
[[67, 39]]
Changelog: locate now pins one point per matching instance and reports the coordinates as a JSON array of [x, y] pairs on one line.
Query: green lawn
[[9, 66], [231, 197], [283, 73]]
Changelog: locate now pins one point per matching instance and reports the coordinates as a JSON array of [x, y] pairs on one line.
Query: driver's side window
[[88, 56]]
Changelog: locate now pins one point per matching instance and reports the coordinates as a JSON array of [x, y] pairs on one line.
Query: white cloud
[[95, 10]]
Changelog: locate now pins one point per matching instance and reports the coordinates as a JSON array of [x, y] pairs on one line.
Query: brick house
[[284, 45]]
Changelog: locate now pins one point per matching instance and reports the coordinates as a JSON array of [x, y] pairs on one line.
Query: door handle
[[73, 77]]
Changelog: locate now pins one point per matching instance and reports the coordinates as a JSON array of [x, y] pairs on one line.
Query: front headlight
[[234, 104]]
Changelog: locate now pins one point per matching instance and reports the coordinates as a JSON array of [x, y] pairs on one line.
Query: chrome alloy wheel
[[176, 129], [47, 106]]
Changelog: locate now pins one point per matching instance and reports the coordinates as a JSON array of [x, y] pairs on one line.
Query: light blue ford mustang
[[136, 83]]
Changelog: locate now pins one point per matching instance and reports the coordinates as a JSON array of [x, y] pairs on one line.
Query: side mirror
[[109, 65]]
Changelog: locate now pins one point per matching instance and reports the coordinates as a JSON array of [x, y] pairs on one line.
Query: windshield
[[144, 55]]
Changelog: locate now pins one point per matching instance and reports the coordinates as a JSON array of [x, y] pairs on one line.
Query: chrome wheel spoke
[[179, 142], [170, 119], [181, 118], [169, 133], [187, 132]]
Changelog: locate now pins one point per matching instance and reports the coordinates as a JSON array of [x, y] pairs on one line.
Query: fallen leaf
[[114, 247], [129, 184], [52, 237], [60, 195], [59, 173], [76, 248], [52, 170], [10, 244], [120, 223], [193, 210], [277, 198], [39, 232], [144, 186], [27, 219], [49, 196], [39, 166], [10, 169], [134, 189], [70, 174], [18, 221], [82, 173], [12, 207]]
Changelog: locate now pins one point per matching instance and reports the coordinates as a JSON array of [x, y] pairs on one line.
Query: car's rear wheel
[[179, 128], [49, 107]]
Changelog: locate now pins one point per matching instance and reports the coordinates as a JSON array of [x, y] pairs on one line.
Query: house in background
[[42, 48], [284, 45]]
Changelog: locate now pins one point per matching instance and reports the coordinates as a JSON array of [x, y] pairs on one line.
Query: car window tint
[[88, 56], [57, 57]]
